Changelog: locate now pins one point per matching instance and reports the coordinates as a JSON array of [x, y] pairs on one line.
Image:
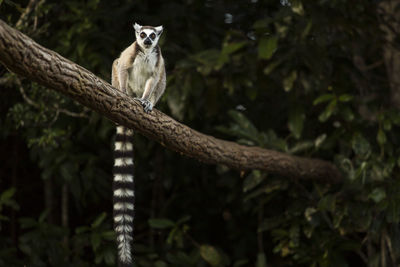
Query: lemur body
[[139, 72]]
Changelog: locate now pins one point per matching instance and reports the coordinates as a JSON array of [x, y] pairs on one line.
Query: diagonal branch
[[22, 55]]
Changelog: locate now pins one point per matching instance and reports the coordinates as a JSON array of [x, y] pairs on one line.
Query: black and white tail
[[123, 195]]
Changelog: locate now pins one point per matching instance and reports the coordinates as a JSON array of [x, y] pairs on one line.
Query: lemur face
[[147, 36]]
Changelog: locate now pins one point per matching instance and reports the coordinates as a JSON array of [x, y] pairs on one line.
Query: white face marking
[[147, 38]]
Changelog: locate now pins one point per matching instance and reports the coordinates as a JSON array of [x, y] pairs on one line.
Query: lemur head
[[147, 36]]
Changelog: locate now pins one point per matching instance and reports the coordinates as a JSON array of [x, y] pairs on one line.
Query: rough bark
[[23, 56]]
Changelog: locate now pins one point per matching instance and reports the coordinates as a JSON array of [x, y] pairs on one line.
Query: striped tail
[[123, 195]]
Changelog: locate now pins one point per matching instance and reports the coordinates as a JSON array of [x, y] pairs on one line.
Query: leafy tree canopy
[[305, 77]]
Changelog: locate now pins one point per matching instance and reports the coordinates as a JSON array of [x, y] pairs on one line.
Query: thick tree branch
[[23, 56]]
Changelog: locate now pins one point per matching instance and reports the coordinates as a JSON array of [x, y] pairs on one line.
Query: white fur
[[123, 161], [124, 146], [128, 178], [123, 217], [137, 27], [124, 248], [123, 228], [123, 206], [122, 192], [145, 62], [124, 130], [142, 69], [142, 76], [123, 237]]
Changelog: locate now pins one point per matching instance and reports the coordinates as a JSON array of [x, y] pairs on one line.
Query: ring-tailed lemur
[[139, 72]]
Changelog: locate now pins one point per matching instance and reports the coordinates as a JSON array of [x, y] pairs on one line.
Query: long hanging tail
[[123, 196]]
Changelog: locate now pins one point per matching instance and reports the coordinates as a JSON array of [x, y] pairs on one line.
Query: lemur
[[139, 72]]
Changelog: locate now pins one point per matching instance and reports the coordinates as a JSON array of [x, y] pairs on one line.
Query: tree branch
[[22, 55]]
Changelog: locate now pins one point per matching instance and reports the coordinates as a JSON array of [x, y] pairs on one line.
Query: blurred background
[[312, 78]]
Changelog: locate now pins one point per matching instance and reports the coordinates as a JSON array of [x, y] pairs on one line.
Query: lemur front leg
[[145, 99], [123, 80]]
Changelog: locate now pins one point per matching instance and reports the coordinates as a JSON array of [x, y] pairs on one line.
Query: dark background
[[311, 78]]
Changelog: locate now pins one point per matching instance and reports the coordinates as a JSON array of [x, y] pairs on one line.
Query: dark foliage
[[303, 77]]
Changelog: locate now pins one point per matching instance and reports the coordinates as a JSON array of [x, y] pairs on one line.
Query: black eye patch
[[152, 36], [142, 35]]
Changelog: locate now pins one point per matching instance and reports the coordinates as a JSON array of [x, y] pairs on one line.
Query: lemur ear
[[159, 30], [137, 27]]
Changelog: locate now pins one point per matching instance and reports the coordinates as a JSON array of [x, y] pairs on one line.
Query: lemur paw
[[147, 105]]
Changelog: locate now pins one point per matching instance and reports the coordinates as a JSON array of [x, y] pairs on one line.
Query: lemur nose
[[147, 41]]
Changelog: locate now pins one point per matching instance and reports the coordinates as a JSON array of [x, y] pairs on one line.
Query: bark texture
[[23, 56]]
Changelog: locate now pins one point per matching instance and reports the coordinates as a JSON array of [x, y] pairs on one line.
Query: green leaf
[[160, 264], [82, 229], [323, 98], [360, 145], [252, 180], [183, 219], [296, 122], [210, 255], [377, 195], [271, 66], [267, 189], [387, 125], [95, 240], [300, 147], [267, 47], [271, 223], [108, 235], [347, 113], [306, 30], [294, 234], [243, 127], [109, 257], [327, 203], [289, 81], [173, 234], [8, 194], [227, 49], [345, 98], [230, 48], [320, 139], [43, 216], [309, 213], [161, 223], [27, 223], [381, 137], [326, 114], [261, 260], [99, 220], [297, 7], [240, 263]]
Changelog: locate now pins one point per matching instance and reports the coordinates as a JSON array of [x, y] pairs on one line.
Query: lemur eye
[[142, 35], [152, 36]]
